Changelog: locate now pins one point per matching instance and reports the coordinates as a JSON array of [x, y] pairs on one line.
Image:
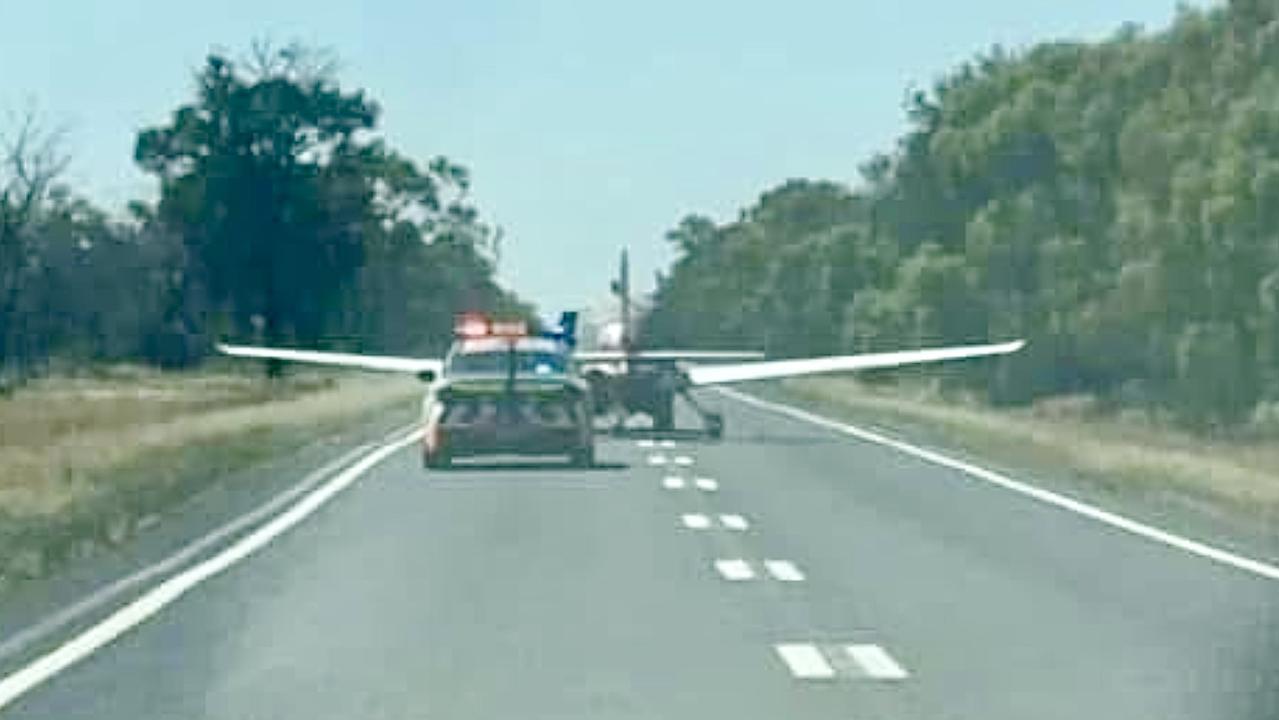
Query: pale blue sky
[[587, 125]]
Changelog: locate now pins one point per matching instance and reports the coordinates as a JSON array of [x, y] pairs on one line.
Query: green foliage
[[278, 188], [1117, 204], [282, 218]]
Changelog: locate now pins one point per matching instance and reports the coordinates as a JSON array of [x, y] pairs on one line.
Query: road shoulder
[[218, 502], [1169, 506]]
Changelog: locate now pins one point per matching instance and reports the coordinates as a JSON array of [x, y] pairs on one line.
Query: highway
[[789, 571]]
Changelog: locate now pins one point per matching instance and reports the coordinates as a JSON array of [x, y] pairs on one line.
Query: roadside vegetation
[[1115, 203], [85, 459], [283, 217]]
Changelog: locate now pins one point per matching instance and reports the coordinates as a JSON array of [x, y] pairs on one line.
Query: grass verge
[[1167, 473], [85, 460]]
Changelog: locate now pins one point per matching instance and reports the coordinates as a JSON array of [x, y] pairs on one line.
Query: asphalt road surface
[[789, 571]]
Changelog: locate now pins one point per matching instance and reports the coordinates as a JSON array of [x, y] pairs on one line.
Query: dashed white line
[[876, 662], [805, 661], [673, 482], [646, 444], [735, 570], [1115, 520], [657, 459], [668, 444], [706, 484], [695, 521], [153, 601], [683, 460], [784, 570], [734, 522]]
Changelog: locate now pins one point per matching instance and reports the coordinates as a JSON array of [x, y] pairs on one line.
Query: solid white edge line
[[876, 662], [1194, 547], [784, 570], [804, 661], [126, 618], [735, 570], [20, 640], [734, 522]]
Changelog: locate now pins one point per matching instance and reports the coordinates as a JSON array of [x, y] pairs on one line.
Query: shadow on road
[[463, 466], [686, 435], [730, 438], [777, 440]]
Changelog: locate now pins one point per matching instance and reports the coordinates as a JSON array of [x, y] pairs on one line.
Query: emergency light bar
[[478, 326]]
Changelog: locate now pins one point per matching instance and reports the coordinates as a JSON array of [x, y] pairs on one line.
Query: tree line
[[1116, 203], [283, 217]]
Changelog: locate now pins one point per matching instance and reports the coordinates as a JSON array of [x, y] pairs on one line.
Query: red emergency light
[[472, 326]]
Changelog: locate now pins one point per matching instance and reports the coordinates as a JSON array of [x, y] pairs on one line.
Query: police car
[[503, 392]]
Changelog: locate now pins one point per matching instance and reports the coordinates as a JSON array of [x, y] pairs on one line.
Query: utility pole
[[622, 289]]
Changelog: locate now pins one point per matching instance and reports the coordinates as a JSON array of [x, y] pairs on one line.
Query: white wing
[[383, 363], [741, 372]]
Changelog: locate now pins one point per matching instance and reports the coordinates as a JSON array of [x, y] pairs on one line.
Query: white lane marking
[[20, 640], [695, 521], [784, 570], [804, 661], [734, 522], [876, 662], [735, 570], [706, 484], [673, 482], [667, 444], [130, 616], [646, 444], [1194, 547], [657, 459], [683, 460]]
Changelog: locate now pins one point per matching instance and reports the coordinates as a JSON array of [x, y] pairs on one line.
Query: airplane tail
[[622, 289], [568, 327]]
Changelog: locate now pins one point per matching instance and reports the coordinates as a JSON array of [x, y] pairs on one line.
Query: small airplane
[[625, 380]]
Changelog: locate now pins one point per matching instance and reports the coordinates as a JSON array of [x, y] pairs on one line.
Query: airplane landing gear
[[664, 413], [712, 421]]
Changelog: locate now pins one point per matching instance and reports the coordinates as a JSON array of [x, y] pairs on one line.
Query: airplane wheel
[[715, 426], [664, 415]]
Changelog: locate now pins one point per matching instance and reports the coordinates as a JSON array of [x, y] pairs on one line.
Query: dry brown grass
[[59, 437], [81, 457], [1121, 454]]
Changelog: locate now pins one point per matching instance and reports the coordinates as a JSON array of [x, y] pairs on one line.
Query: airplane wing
[[590, 356], [741, 372], [382, 363]]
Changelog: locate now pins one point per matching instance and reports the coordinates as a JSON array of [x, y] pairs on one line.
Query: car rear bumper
[[508, 439]]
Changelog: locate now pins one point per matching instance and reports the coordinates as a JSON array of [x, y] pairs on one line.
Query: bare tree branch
[[295, 61], [31, 160]]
